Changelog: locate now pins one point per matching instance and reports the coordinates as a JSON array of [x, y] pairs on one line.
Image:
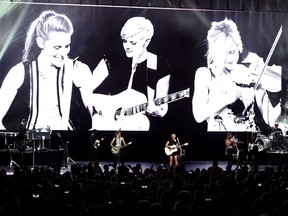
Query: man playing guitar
[[95, 143]]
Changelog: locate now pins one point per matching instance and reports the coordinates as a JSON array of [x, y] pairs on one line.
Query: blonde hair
[[48, 21], [137, 25], [219, 34]]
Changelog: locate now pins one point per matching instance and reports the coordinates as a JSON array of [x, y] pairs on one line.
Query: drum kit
[[273, 142]]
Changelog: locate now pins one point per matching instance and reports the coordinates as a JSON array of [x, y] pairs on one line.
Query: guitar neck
[[158, 101]]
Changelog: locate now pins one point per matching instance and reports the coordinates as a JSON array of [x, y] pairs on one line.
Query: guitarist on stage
[[95, 143], [173, 143], [253, 148], [116, 144]]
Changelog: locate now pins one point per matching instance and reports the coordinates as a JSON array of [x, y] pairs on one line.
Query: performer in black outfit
[[135, 78], [277, 137], [253, 149], [95, 144], [20, 139], [173, 145]]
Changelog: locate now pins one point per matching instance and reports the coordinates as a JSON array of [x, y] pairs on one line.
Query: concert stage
[[31, 158], [46, 158]]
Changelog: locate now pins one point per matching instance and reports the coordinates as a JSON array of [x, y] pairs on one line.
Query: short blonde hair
[[217, 38], [137, 25]]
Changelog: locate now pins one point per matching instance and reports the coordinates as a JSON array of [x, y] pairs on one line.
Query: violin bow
[[267, 61], [269, 56]]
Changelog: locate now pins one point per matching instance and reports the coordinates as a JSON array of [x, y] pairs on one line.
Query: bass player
[[95, 144], [173, 144], [253, 149]]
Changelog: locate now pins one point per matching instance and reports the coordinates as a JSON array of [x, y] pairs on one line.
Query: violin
[[260, 75], [269, 79], [235, 140]]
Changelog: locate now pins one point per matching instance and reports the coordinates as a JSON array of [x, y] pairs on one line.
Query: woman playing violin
[[232, 151], [225, 94]]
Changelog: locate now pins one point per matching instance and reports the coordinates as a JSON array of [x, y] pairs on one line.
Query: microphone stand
[[65, 152], [33, 154], [11, 159], [180, 152]]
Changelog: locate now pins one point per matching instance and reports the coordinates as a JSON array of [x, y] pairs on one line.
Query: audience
[[89, 190]]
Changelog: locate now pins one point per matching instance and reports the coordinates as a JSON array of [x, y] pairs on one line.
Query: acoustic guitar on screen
[[173, 148], [126, 110]]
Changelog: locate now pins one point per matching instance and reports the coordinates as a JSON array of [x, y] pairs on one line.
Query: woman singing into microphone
[[225, 94]]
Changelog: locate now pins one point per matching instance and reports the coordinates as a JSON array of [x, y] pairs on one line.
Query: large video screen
[[79, 67]]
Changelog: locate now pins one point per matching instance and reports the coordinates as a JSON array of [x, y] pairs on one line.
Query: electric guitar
[[257, 145], [116, 150], [169, 150], [97, 143], [126, 110]]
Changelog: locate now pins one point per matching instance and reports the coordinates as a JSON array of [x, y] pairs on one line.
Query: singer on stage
[[20, 139], [173, 145]]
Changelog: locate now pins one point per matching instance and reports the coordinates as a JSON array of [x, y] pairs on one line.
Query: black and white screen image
[[79, 67]]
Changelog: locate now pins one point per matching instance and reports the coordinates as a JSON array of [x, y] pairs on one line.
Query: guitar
[[116, 150], [126, 110], [97, 143], [257, 145], [169, 150]]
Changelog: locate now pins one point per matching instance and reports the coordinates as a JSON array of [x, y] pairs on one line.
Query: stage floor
[[9, 159]]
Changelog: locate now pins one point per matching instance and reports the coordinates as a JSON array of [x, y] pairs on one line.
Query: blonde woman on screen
[[147, 78], [39, 89], [226, 85]]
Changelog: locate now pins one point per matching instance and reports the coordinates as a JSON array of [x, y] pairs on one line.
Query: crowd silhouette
[[92, 190]]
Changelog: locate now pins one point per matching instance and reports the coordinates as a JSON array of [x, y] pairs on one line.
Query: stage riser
[[40, 157], [276, 158], [273, 159]]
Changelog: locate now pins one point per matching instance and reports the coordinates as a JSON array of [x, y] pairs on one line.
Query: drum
[[271, 136], [46, 129], [30, 134], [263, 144]]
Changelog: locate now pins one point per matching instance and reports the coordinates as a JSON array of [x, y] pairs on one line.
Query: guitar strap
[[151, 65], [133, 69]]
